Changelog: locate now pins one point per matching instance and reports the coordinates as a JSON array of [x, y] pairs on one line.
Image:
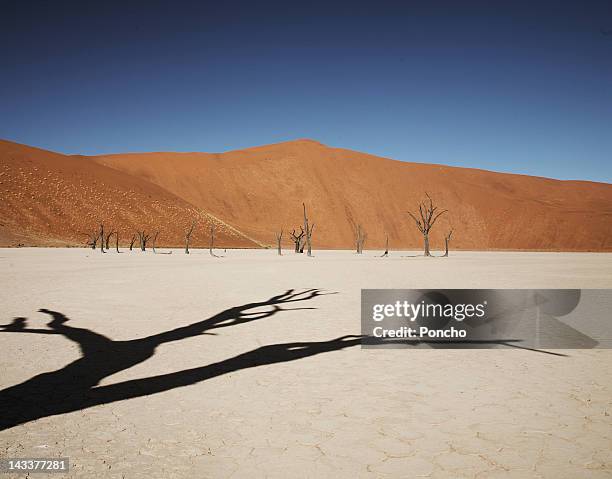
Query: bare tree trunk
[[212, 240], [132, 242], [117, 241], [386, 253], [308, 230], [279, 237], [426, 245], [102, 237], [143, 240], [447, 239], [188, 237], [361, 237], [154, 240], [108, 237]]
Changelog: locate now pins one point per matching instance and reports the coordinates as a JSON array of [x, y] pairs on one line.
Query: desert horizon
[[293, 140], [250, 194]]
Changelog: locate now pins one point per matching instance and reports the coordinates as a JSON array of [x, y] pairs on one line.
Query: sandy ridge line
[[212, 217]]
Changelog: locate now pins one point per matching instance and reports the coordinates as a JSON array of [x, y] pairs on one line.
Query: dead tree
[[386, 253], [107, 239], [92, 239], [212, 240], [298, 240], [428, 215], [360, 239], [308, 231], [117, 241], [133, 241], [188, 236], [154, 240], [101, 237], [143, 237], [279, 237], [447, 239]]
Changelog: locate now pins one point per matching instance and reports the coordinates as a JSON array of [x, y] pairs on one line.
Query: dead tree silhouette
[[298, 240], [360, 238], [279, 239], [102, 238], [188, 236], [75, 386], [92, 239], [428, 214], [107, 239], [447, 238], [143, 237], [386, 253], [308, 231]]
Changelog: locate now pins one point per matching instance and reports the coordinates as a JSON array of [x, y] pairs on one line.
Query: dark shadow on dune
[[75, 386]]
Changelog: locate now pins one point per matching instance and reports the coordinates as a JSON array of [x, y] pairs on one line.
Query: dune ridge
[[257, 191]]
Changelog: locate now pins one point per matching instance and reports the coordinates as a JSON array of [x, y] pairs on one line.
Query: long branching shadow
[[75, 386]]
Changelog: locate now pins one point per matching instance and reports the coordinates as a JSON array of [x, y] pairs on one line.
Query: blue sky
[[522, 87]]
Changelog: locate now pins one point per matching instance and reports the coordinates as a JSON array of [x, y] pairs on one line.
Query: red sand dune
[[50, 199], [259, 190]]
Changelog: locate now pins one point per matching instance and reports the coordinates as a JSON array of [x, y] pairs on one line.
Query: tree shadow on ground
[[455, 344], [75, 386]]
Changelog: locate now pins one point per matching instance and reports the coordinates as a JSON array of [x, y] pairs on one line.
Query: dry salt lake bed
[[173, 365]]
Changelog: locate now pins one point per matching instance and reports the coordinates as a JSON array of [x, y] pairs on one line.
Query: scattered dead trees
[[298, 240], [188, 236], [308, 231], [361, 236], [98, 235], [427, 216], [279, 238], [447, 239]]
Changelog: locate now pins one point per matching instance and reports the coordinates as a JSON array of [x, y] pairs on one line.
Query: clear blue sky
[[512, 86]]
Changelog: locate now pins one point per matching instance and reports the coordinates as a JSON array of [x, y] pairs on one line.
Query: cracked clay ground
[[238, 388]]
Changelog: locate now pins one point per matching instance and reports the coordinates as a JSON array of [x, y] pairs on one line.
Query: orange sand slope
[[50, 199]]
